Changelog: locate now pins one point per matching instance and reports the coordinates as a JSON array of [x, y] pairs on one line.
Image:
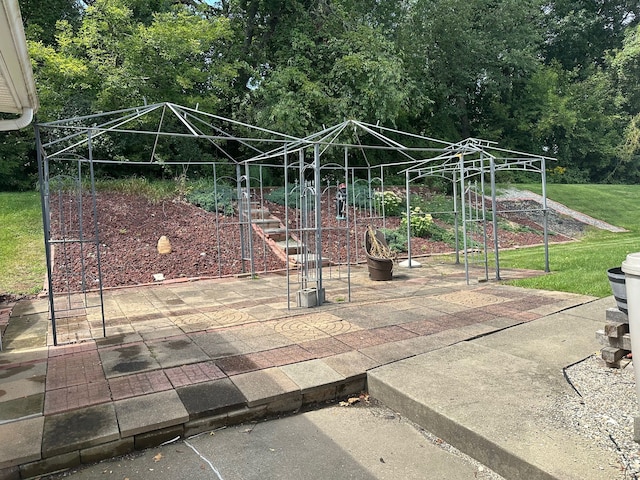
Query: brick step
[[267, 223], [310, 259], [291, 246], [258, 213], [275, 234]]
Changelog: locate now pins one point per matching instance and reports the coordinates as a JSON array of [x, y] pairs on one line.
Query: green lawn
[[581, 267], [22, 260]]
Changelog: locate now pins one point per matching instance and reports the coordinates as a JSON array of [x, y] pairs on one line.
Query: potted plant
[[619, 288], [379, 257]]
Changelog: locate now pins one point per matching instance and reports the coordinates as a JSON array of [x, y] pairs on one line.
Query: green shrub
[[421, 222], [211, 198], [278, 195], [440, 234], [358, 194], [388, 202], [396, 239]]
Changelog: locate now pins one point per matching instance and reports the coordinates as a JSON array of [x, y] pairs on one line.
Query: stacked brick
[[614, 338]]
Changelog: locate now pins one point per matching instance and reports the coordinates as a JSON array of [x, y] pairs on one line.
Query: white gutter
[[17, 86], [17, 123]]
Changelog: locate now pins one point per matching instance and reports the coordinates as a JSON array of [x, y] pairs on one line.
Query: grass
[[156, 191], [581, 267], [22, 260]]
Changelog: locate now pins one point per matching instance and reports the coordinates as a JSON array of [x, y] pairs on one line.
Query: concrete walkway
[[476, 364]]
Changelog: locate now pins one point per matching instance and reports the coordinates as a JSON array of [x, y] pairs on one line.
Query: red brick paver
[[239, 364], [393, 333], [193, 373], [325, 347], [139, 384], [74, 369], [287, 355], [77, 396], [361, 339]]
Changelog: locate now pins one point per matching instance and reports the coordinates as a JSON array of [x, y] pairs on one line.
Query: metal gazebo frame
[[343, 151]]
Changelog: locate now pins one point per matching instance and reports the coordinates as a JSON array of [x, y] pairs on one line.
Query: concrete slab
[[26, 332], [337, 443], [466, 395], [21, 441], [21, 388], [30, 307], [21, 371], [22, 407], [554, 341], [125, 359], [595, 310], [312, 374], [176, 351], [350, 364], [119, 338], [388, 352], [78, 429], [266, 386], [14, 358], [150, 412], [204, 399]]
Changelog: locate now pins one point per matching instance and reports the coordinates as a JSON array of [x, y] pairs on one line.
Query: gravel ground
[[557, 208], [604, 410]]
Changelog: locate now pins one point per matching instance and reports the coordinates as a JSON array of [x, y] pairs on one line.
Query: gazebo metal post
[[494, 207], [456, 221], [464, 217], [96, 233], [384, 213], [240, 213], [215, 202], [348, 220], [286, 223], [318, 225], [43, 177], [484, 218], [408, 212], [249, 214], [545, 217]]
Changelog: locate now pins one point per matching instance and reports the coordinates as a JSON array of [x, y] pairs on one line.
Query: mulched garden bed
[[203, 243]]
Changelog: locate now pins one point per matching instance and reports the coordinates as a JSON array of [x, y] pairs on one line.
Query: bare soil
[[207, 244]]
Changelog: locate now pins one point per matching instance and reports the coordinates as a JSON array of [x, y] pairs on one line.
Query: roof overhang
[[17, 87]]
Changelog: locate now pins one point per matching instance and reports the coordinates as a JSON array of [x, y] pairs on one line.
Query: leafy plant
[[396, 239], [281, 197], [388, 202], [358, 195], [440, 206], [213, 198], [421, 222]]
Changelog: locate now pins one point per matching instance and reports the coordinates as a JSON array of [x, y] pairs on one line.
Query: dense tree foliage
[[552, 76]]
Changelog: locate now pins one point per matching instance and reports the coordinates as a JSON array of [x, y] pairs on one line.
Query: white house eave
[[17, 86]]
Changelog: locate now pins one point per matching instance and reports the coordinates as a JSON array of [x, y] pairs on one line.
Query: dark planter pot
[[379, 268], [619, 288]]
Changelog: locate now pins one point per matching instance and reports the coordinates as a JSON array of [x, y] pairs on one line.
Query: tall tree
[[326, 65], [466, 54], [40, 17], [626, 70], [580, 32]]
